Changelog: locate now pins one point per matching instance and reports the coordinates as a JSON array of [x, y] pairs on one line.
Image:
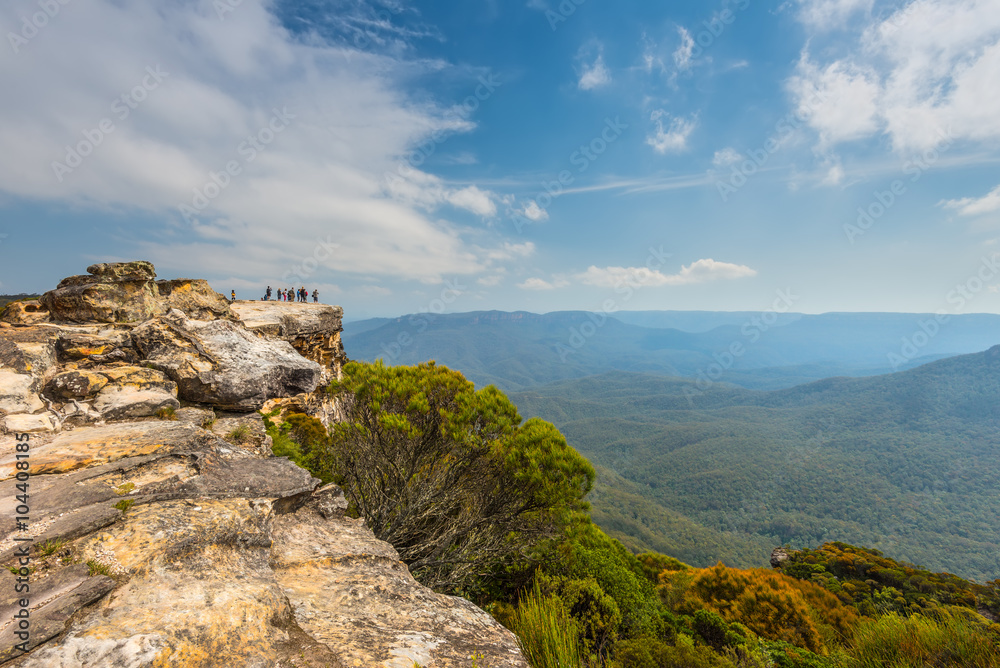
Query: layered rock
[[314, 331], [216, 557], [121, 292], [220, 363]]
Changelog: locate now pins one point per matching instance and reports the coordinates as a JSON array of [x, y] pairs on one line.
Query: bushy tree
[[448, 475]]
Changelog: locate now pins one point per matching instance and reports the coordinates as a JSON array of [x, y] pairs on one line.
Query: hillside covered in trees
[[906, 463]]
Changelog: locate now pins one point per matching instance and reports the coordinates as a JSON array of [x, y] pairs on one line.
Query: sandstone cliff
[[162, 531]]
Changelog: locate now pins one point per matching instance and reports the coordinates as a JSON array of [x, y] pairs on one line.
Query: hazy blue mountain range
[[520, 350]]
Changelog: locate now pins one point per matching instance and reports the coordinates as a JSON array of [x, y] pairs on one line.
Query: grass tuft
[[50, 547], [167, 413], [548, 636], [97, 567]]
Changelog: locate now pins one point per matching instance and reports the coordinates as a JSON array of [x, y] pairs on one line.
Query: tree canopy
[[450, 476]]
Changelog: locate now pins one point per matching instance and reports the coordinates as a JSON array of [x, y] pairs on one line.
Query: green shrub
[[125, 504]]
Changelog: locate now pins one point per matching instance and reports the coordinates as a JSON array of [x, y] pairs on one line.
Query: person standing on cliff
[[267, 294], [234, 295], [315, 296]]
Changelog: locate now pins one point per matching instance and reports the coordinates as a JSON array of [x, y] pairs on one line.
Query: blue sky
[[408, 156]]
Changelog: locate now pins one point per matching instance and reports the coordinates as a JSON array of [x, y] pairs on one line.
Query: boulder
[[17, 393], [75, 384], [118, 403], [122, 292], [27, 423], [138, 270], [221, 364], [193, 297], [75, 345], [135, 391], [29, 312], [30, 350], [289, 319]]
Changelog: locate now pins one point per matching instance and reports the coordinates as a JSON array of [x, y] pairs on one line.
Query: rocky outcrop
[[324, 561], [121, 292], [193, 297], [220, 363], [780, 555], [29, 312], [314, 331], [205, 554], [164, 531]]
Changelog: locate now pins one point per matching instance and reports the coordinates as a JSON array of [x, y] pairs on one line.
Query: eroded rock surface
[[220, 363], [121, 292]]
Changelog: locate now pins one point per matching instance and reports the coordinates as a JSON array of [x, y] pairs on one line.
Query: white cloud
[[534, 212], [726, 157], [969, 206], [511, 251], [322, 177], [475, 200], [682, 56], [928, 69], [490, 281], [830, 14], [840, 101], [541, 284], [595, 75], [700, 271], [671, 140]]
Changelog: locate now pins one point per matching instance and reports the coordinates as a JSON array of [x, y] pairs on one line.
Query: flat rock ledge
[[175, 547]]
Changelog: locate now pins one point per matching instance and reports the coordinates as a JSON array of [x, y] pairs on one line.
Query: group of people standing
[[300, 295]]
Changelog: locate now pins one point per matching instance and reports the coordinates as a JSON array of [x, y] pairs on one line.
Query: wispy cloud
[[672, 139], [975, 206], [540, 284], [700, 271]]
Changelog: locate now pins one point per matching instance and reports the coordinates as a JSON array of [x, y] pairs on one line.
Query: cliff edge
[[143, 519]]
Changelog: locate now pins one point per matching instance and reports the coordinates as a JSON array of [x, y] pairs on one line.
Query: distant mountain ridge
[[520, 350]]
